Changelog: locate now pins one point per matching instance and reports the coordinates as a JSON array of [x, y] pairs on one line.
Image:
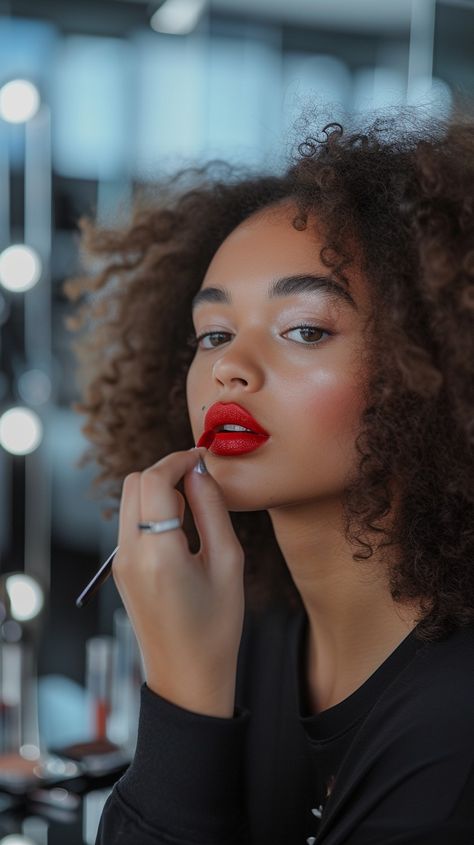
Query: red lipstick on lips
[[231, 442]]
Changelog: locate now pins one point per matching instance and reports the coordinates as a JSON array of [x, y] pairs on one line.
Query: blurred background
[[97, 98]]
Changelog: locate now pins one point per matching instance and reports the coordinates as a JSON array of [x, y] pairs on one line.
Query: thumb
[[219, 542]]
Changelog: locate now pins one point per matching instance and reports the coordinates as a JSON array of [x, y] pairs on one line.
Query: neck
[[353, 622]]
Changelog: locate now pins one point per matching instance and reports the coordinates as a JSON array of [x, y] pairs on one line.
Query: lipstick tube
[[99, 661], [127, 678]]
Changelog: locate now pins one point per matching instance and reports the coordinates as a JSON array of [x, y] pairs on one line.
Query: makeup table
[[68, 811]]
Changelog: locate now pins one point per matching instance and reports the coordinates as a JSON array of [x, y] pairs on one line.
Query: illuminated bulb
[[16, 839], [19, 101], [20, 267], [30, 752], [177, 17], [21, 431], [26, 597]]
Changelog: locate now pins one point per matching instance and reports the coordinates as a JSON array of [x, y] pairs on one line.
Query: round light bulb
[[30, 752], [21, 431], [20, 267], [26, 596], [19, 101]]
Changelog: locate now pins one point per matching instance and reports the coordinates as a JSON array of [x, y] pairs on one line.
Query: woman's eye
[[310, 333], [198, 340]]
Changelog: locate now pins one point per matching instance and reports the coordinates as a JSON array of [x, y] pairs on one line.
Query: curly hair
[[403, 194]]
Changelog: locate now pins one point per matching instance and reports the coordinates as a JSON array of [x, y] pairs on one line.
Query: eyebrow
[[286, 286]]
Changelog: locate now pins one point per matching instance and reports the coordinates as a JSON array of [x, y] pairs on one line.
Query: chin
[[239, 504], [244, 500]]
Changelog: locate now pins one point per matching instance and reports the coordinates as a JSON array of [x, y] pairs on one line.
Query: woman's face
[[304, 386]]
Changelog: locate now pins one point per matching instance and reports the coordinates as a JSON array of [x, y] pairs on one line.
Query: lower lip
[[232, 442]]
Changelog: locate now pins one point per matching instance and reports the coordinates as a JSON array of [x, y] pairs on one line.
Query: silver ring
[[159, 527]]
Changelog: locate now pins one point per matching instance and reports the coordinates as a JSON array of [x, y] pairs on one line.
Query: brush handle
[[100, 576]]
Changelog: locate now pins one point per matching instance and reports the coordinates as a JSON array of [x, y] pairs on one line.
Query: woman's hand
[[186, 609]]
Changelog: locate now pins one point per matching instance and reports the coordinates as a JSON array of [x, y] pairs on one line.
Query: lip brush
[[100, 576]]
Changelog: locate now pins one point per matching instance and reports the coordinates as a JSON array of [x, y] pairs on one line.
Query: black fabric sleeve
[[185, 783]]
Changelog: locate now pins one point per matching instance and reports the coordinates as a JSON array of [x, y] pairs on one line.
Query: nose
[[238, 367]]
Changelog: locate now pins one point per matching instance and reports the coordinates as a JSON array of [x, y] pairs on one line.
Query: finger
[[180, 505], [219, 543], [129, 516], [161, 479], [159, 500]]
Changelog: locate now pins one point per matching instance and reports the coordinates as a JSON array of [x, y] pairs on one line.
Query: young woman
[[306, 624]]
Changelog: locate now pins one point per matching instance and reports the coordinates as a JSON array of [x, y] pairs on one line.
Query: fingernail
[[200, 467]]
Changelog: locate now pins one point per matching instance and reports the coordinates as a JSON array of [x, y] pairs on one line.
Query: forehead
[[266, 246], [263, 245], [267, 227]]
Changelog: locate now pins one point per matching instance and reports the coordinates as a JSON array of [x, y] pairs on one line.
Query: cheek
[[193, 396], [190, 394], [335, 407], [325, 444]]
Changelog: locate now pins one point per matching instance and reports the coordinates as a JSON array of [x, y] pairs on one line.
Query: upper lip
[[229, 412]]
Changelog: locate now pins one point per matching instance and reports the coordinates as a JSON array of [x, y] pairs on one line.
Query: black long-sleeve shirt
[[391, 764]]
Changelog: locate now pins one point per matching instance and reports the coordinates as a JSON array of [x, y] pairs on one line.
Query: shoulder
[[433, 697], [447, 665], [419, 734]]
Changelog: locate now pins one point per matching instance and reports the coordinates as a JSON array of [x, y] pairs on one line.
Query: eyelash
[[194, 340]]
